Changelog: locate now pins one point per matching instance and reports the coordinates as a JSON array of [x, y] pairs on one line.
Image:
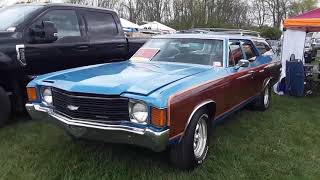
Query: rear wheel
[[193, 148], [5, 109], [263, 101]]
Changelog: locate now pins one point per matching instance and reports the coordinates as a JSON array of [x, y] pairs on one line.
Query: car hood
[[124, 77]]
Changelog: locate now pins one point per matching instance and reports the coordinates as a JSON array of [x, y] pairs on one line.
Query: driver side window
[[235, 52], [66, 22]]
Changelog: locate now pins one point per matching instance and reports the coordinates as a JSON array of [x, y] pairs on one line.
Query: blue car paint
[[117, 78], [151, 82]]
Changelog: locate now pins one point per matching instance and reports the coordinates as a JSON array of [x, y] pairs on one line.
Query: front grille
[[91, 107]]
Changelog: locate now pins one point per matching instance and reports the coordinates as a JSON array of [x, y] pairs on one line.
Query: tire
[[75, 139], [262, 103], [192, 150], [5, 110]]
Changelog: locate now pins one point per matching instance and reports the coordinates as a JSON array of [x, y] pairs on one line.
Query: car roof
[[207, 36], [63, 5]]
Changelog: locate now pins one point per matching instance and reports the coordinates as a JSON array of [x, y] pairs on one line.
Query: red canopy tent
[[310, 21], [294, 35]]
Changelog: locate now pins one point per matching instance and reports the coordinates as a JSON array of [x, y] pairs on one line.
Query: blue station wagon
[[167, 96]]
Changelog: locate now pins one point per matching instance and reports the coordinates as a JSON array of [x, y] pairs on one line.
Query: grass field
[[281, 143]]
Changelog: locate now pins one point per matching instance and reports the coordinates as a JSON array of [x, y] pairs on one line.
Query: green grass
[[316, 62], [281, 143]]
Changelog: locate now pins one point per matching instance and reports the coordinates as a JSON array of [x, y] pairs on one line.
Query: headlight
[[47, 96], [138, 112]]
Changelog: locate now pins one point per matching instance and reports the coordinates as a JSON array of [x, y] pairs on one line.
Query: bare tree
[[133, 8], [278, 10], [101, 3], [185, 14], [259, 12]]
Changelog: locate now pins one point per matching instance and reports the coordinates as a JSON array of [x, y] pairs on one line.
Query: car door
[[107, 40], [240, 77], [257, 66], [67, 51]]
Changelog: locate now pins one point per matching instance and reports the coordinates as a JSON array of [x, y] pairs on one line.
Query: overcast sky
[[10, 2]]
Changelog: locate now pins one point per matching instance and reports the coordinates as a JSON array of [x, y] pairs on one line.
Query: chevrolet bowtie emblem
[[73, 108]]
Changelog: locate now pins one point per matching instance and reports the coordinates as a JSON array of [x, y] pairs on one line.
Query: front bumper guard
[[145, 137]]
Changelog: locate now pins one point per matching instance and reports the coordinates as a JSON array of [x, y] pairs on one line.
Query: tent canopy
[[128, 24], [158, 26], [310, 21]]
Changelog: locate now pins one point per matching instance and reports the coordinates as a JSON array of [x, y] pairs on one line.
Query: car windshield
[[192, 51], [12, 16]]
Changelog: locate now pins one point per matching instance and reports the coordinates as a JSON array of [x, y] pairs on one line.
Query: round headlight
[[139, 112], [47, 96]]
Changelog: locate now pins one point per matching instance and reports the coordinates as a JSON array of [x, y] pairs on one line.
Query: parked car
[[264, 47], [167, 96], [275, 45], [42, 38], [309, 55], [315, 45]]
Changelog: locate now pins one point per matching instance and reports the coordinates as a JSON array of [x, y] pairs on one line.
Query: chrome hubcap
[[200, 137], [266, 97]]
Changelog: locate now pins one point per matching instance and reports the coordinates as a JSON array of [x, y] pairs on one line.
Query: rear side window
[[100, 25], [263, 47], [249, 51]]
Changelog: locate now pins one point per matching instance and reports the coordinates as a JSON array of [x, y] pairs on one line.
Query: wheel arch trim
[[199, 106], [266, 82]]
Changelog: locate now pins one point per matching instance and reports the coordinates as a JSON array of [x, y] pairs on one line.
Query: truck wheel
[[263, 101], [5, 109], [192, 149]]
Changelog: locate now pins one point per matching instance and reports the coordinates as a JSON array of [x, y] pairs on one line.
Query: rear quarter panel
[[220, 90]]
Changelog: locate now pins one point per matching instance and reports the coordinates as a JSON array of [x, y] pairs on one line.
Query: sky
[[10, 2]]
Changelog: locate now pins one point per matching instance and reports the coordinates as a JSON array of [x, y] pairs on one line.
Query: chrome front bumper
[[145, 137]]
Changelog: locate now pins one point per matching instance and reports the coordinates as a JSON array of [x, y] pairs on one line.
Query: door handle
[[251, 72], [82, 48], [120, 46]]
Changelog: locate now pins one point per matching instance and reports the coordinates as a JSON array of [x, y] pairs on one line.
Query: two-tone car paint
[[179, 88]]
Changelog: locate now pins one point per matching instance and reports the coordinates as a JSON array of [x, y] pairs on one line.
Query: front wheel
[[193, 148], [5, 109]]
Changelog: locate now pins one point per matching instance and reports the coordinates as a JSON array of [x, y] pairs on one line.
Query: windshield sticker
[[145, 54], [217, 64]]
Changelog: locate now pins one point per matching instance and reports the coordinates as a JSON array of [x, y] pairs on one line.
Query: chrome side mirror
[[243, 63]]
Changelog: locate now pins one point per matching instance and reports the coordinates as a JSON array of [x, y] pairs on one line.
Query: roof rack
[[241, 32]]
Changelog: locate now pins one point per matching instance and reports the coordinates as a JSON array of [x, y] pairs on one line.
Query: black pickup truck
[[42, 38]]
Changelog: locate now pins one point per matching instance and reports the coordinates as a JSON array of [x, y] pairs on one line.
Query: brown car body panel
[[227, 93]]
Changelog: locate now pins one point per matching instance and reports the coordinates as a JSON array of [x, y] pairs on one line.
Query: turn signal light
[[159, 117], [32, 94]]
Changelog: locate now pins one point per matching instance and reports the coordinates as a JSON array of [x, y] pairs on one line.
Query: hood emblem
[[73, 108]]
